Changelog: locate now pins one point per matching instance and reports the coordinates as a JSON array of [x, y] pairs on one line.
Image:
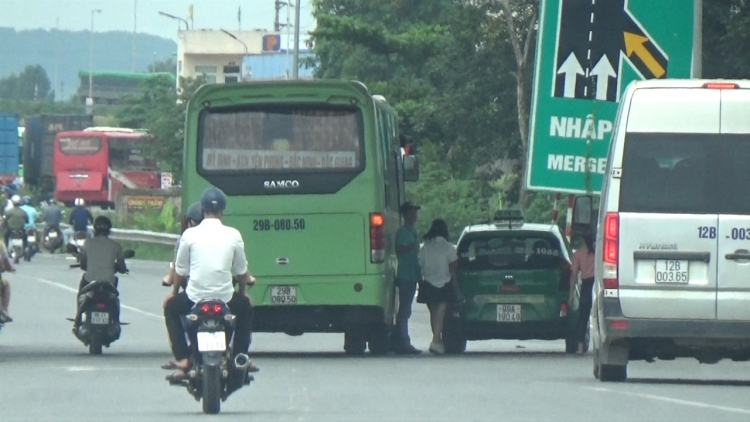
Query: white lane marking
[[92, 368], [671, 400], [70, 289]]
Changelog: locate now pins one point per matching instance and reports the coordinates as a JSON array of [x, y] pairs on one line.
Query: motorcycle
[[31, 246], [97, 302], [16, 245], [53, 238], [79, 238], [213, 374]]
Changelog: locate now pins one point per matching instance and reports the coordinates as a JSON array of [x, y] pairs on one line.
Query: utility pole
[[295, 71], [90, 99], [57, 55], [277, 25], [135, 23]]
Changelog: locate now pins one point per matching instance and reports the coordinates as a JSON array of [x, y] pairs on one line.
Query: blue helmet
[[194, 212], [213, 200], [25, 200]]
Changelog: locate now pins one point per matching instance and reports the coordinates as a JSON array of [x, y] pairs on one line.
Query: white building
[[217, 55]]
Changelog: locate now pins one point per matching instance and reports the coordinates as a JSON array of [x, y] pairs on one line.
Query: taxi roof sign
[[508, 215]]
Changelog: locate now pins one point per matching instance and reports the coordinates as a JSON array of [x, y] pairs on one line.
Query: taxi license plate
[[671, 271], [100, 318], [212, 342], [284, 295], [52, 235], [508, 313], [16, 242]]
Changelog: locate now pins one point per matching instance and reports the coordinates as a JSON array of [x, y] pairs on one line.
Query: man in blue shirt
[[409, 273], [31, 212], [80, 217]]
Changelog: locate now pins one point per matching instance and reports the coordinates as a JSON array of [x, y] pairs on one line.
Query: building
[[109, 87], [220, 57]]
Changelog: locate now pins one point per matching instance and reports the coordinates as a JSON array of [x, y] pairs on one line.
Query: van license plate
[[100, 318], [671, 271], [212, 342], [508, 313], [284, 295]]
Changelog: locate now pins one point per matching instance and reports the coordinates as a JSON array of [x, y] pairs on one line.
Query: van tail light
[[611, 250], [720, 85], [377, 238], [563, 310]]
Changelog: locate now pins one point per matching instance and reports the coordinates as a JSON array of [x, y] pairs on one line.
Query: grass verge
[[150, 252]]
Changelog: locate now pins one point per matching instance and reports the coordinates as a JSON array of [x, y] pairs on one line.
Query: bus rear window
[[281, 138], [80, 146], [511, 251]]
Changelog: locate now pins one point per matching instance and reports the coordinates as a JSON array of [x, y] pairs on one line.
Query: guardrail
[[143, 236]]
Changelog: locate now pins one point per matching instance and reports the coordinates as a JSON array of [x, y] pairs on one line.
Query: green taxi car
[[515, 279]]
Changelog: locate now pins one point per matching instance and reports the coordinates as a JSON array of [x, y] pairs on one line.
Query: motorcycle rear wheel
[[211, 380]]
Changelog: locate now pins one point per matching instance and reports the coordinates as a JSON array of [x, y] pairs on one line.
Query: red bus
[[94, 164]]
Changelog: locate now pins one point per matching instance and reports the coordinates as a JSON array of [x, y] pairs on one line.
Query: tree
[[31, 84], [168, 65], [161, 110]]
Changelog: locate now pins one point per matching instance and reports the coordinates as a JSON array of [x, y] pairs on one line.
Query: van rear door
[[733, 295], [668, 224]]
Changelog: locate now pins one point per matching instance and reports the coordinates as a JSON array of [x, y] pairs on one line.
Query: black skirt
[[431, 295]]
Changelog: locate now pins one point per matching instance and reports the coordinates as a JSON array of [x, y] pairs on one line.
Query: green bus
[[314, 172]]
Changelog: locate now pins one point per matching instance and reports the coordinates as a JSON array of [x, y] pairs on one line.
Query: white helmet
[[80, 202], [15, 199]]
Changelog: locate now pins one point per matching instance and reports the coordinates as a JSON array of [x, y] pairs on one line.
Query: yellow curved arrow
[[635, 43]]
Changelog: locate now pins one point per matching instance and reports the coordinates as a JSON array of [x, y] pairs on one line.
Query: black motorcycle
[[32, 247], [213, 374], [98, 306], [53, 238]]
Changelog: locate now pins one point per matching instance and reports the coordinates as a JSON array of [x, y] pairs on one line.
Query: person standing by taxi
[[439, 263], [408, 275], [583, 262]]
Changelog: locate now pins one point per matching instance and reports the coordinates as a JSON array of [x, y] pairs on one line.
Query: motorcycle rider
[[80, 217], [192, 218], [16, 219], [53, 217], [32, 214], [5, 285], [101, 257], [209, 252]]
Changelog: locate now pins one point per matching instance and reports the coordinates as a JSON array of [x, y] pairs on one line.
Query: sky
[[119, 15]]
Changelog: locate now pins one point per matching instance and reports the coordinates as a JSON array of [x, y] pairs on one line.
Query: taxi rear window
[[510, 251]]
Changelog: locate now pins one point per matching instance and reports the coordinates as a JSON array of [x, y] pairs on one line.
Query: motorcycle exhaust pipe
[[241, 361]]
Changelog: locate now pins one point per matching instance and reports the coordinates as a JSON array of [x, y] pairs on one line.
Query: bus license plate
[[212, 342], [671, 271], [508, 313], [284, 295], [100, 318]]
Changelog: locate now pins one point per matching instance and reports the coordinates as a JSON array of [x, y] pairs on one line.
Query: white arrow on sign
[[603, 71], [571, 68]]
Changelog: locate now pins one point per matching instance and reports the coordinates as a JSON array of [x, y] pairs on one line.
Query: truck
[[8, 147], [39, 145]]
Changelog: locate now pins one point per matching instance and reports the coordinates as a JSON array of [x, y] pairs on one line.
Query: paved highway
[[47, 375]]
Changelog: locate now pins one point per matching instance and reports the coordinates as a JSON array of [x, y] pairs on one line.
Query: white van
[[673, 237]]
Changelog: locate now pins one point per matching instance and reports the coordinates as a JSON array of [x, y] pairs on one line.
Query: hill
[[70, 51]]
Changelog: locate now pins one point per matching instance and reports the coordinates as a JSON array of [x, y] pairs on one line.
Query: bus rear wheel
[[354, 342], [379, 340]]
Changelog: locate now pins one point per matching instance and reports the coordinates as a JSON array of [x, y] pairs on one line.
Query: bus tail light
[[611, 252], [377, 238]]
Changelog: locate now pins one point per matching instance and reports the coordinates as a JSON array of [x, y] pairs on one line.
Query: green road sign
[[588, 51]]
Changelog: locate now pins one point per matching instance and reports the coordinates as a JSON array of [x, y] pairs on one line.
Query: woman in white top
[[439, 261]]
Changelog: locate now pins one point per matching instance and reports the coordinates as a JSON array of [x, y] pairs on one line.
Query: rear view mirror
[[582, 213], [128, 253], [411, 168]]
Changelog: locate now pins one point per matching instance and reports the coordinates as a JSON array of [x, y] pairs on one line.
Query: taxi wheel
[[453, 339]]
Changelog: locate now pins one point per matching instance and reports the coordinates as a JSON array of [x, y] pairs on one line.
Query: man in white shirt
[[209, 253]]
